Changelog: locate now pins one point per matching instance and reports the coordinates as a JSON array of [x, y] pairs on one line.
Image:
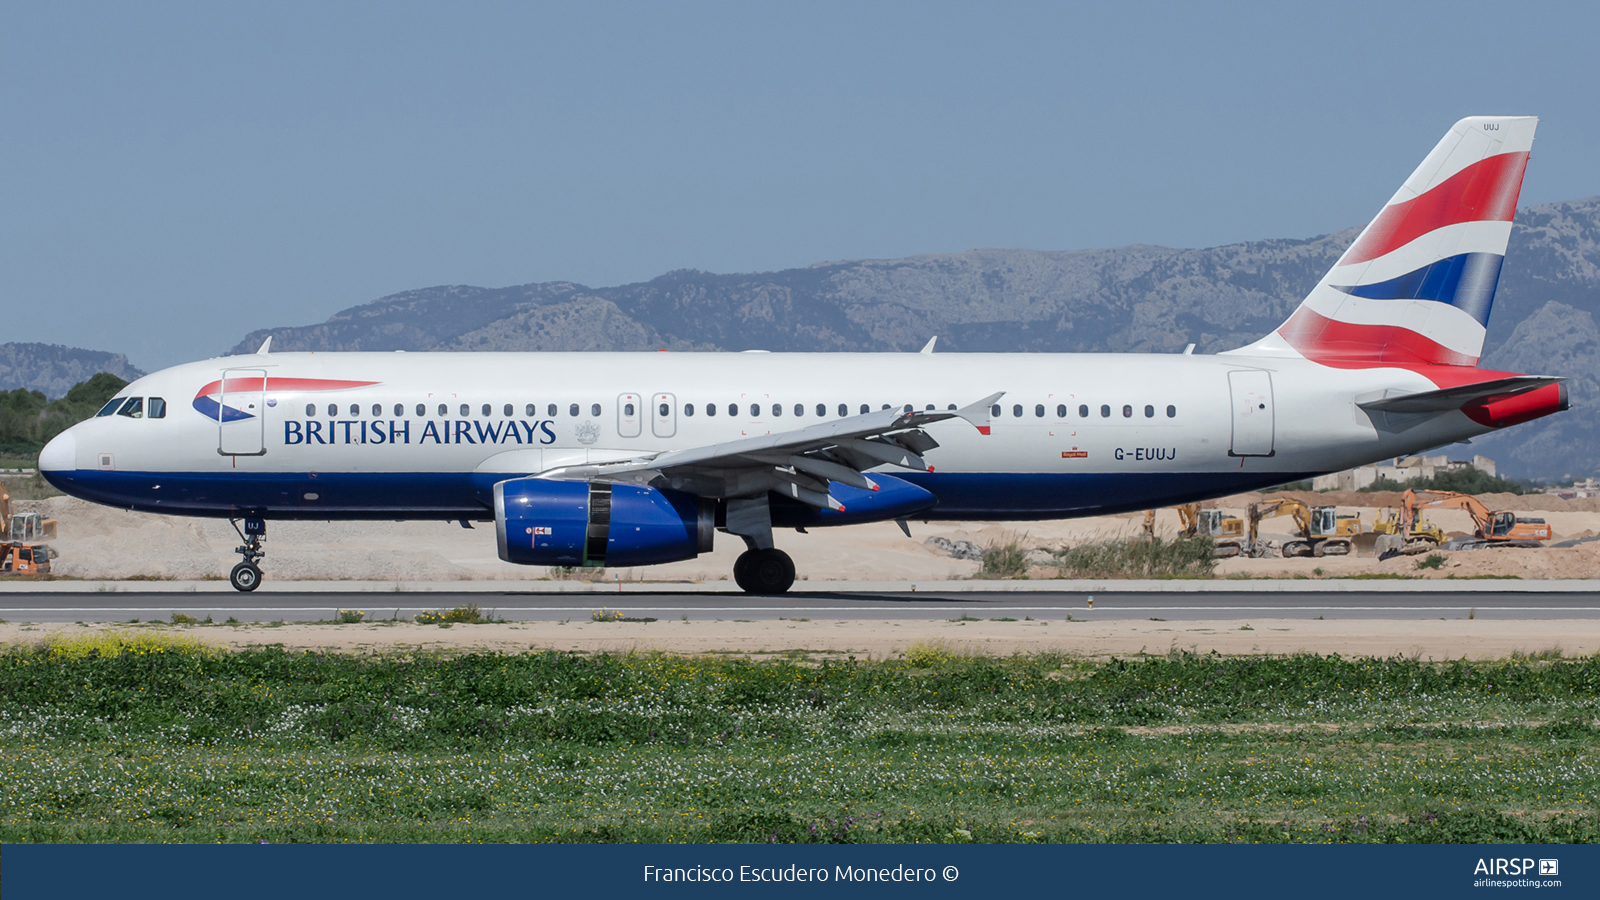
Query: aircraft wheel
[[764, 571], [245, 577]]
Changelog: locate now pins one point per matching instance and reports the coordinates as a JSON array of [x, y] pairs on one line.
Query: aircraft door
[[629, 414], [664, 415], [242, 412], [1252, 412]]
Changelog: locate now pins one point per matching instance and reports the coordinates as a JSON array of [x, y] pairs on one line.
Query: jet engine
[[541, 522]]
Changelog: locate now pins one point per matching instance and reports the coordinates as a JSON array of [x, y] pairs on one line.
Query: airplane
[[635, 459]]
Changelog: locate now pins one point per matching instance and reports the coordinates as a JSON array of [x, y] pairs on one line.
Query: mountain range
[[1127, 299], [53, 369]]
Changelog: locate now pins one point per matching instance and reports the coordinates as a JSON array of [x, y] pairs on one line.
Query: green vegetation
[[145, 739], [1432, 561], [1464, 481], [28, 420], [1005, 559], [468, 614], [1179, 557]]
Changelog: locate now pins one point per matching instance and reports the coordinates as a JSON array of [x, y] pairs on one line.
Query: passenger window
[[1061, 410], [594, 409], [377, 409], [529, 411], [799, 409], [444, 410], [133, 408], [1083, 410], [929, 408], [865, 408], [399, 410], [886, 406], [822, 410], [627, 410], [110, 407], [665, 410], [1172, 412], [951, 407], [311, 409], [1127, 411], [333, 409], [355, 409], [1016, 410], [995, 410], [711, 409], [777, 410], [1105, 411], [733, 409], [688, 409], [487, 409], [572, 410], [1038, 411], [907, 408], [1149, 412], [158, 408], [466, 410], [550, 410]]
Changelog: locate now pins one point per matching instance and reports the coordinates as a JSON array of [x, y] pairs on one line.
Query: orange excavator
[[21, 550], [1493, 528]]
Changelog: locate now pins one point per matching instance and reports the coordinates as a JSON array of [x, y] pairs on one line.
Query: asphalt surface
[[319, 606]]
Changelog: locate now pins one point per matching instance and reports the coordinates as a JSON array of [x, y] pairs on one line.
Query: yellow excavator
[[1226, 532], [1323, 532]]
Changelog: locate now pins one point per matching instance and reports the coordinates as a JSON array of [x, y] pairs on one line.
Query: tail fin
[[1416, 287]]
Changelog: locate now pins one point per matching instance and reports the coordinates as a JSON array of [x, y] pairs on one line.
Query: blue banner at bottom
[[312, 872]]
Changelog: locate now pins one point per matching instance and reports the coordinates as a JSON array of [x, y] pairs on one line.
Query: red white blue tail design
[[1416, 288]]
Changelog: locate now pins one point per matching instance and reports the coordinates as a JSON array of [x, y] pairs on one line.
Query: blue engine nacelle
[[574, 523]]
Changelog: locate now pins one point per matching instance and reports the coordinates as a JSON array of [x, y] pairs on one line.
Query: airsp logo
[[588, 432], [1500, 866]]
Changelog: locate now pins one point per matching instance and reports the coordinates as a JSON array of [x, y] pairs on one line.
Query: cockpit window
[[133, 408], [111, 406], [158, 408]]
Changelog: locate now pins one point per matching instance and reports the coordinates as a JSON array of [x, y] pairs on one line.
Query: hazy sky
[[173, 176]]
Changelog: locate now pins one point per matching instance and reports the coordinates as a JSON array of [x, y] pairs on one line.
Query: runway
[[311, 606]]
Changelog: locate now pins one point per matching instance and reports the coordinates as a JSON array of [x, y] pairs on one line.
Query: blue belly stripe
[[470, 495]]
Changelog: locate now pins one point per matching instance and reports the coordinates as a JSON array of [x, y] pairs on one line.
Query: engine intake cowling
[[539, 522]]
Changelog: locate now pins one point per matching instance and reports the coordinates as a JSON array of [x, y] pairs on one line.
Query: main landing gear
[[246, 576], [769, 571]]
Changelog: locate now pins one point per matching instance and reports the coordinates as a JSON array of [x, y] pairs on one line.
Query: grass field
[[146, 738]]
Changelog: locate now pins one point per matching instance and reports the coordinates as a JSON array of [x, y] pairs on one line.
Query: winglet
[[266, 346], [978, 413], [928, 347]]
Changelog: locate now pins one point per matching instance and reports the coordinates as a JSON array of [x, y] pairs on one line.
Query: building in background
[[1401, 469]]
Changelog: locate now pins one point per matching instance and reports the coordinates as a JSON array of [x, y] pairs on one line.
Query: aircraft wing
[[799, 464], [1454, 398]]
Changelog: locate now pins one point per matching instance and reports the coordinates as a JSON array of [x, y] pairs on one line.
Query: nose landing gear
[[246, 576]]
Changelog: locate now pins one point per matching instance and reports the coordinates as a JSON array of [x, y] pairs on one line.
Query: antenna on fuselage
[[266, 345], [928, 347]]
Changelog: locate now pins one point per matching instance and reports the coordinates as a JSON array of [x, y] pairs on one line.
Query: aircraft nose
[[61, 454]]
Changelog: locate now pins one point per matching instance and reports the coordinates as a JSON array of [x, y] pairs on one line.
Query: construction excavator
[[1226, 532], [1421, 536], [1323, 532], [22, 537], [1492, 528]]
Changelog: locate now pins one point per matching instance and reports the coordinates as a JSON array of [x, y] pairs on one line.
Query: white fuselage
[[428, 433]]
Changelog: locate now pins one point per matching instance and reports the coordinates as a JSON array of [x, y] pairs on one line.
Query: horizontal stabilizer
[[1454, 398]]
